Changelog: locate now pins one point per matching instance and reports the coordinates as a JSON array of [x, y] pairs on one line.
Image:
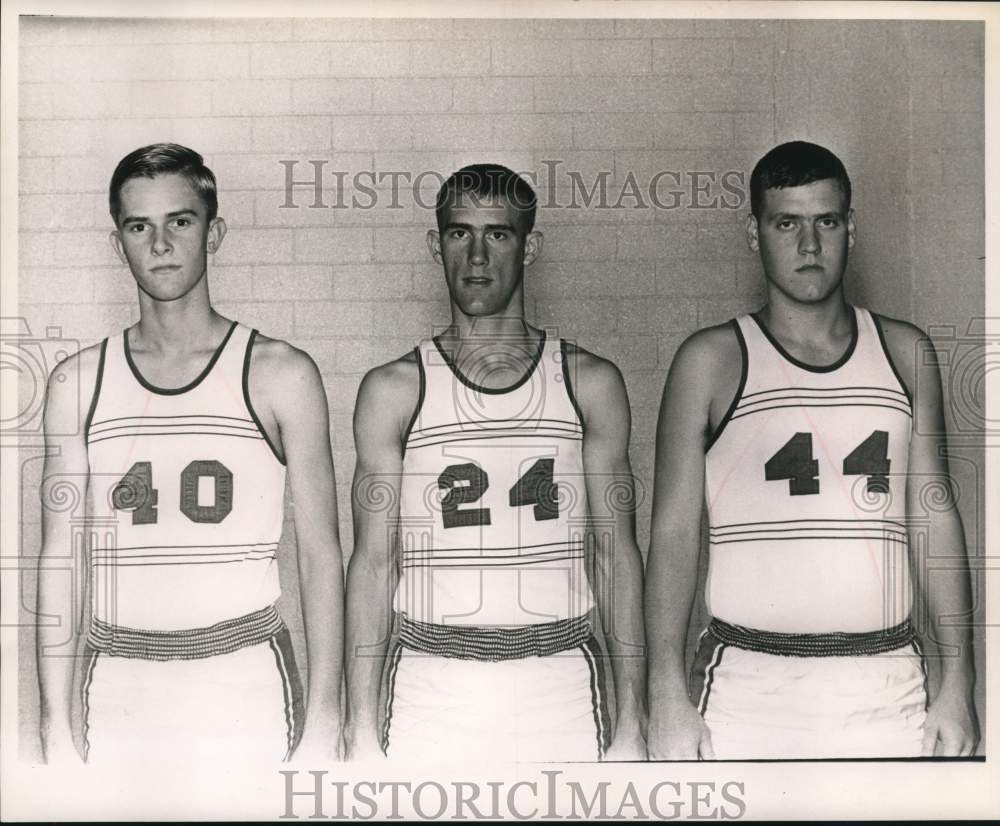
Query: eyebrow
[[136, 219], [776, 216], [488, 227]]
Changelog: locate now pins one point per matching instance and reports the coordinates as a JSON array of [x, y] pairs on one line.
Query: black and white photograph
[[516, 411]]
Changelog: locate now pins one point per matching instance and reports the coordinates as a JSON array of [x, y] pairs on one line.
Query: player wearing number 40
[[486, 457], [809, 428], [191, 424]]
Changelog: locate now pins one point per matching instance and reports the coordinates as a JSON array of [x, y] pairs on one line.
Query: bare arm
[[942, 578], [603, 398], [383, 397], [300, 407], [60, 587], [676, 730]]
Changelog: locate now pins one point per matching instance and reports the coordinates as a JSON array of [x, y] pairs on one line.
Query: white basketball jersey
[[493, 506], [187, 494], [805, 481]]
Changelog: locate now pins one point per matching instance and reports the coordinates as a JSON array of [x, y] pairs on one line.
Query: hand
[[628, 745], [951, 728], [679, 734]]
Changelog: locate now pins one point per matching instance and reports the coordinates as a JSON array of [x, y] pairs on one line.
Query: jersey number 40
[[135, 492], [795, 463]]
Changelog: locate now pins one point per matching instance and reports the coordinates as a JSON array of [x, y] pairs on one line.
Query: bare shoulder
[[903, 340], [75, 377], [277, 363], [710, 350], [591, 374], [388, 395]]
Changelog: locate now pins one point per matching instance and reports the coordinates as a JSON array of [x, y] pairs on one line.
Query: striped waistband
[[834, 644], [492, 644], [188, 644]]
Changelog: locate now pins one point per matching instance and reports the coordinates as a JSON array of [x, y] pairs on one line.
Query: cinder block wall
[[900, 102]]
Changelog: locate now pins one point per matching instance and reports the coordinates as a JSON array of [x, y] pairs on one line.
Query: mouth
[[165, 268], [477, 281], [809, 268]]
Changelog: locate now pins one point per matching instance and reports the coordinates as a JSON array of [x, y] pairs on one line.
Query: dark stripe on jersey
[[213, 553], [803, 396], [175, 391], [116, 564], [903, 410], [744, 368], [797, 521], [715, 534], [258, 437], [200, 545], [420, 399], [179, 416], [467, 422], [97, 392], [140, 425], [888, 357], [568, 380], [880, 537], [424, 556], [480, 548], [515, 436], [707, 660], [846, 387], [485, 562], [246, 398]]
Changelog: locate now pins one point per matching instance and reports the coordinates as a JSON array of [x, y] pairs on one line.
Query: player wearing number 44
[[191, 422], [809, 427], [485, 459]]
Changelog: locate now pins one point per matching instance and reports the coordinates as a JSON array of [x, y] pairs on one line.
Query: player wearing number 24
[[808, 428], [485, 457], [191, 424]]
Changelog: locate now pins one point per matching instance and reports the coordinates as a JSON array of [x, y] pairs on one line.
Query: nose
[[477, 251], [161, 242], [809, 240]]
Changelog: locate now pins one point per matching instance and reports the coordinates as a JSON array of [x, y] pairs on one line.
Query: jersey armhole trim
[[97, 392], [744, 367], [420, 398], [246, 398], [569, 383], [888, 357]]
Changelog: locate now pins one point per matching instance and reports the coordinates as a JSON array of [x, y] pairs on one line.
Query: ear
[[532, 247], [434, 245], [216, 232], [753, 237], [116, 244], [852, 230]]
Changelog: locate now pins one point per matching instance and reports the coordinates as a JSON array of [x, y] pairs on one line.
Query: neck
[[791, 319], [188, 323], [508, 325]]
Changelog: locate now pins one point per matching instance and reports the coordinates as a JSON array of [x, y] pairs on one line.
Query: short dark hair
[[796, 163], [487, 181], [163, 159]]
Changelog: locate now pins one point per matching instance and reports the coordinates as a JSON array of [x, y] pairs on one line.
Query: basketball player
[[797, 423], [485, 457], [192, 422]]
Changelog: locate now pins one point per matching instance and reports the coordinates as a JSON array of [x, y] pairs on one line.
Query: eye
[[499, 235], [136, 228], [785, 223], [829, 223], [457, 233], [182, 222]]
